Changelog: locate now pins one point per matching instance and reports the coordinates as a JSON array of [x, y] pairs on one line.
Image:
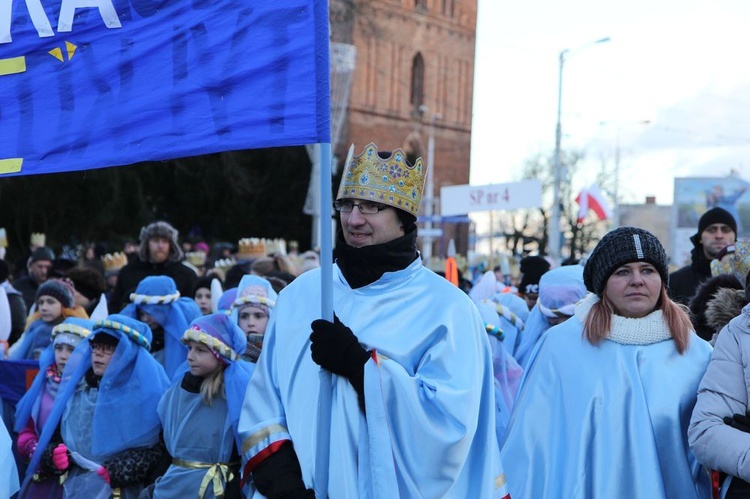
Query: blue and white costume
[[607, 420], [428, 429]]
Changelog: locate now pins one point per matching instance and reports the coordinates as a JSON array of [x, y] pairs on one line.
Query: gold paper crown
[[114, 261], [38, 239], [3, 238], [251, 248], [389, 180], [197, 258]]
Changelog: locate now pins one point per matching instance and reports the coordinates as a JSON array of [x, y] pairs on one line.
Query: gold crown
[[251, 248], [197, 258], [275, 246], [389, 180], [114, 261], [38, 239], [3, 238]]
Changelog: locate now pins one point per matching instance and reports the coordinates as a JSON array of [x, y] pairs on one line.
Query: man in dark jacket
[[159, 254], [717, 229], [38, 267]]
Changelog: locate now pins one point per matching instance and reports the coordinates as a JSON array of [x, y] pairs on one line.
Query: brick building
[[414, 65]]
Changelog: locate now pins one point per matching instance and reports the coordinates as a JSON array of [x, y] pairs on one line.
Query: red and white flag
[[592, 199]]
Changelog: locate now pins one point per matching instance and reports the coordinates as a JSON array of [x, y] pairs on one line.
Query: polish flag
[[592, 199]]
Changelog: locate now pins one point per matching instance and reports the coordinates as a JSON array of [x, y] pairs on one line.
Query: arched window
[[417, 81]]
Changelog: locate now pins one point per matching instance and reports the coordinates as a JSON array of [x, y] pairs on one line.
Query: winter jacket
[[723, 392], [684, 282]]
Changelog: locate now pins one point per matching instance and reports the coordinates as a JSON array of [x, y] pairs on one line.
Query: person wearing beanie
[[721, 417], [717, 229], [106, 408], [159, 254], [612, 388], [54, 303], [37, 268], [532, 269], [399, 332], [200, 411], [34, 408]]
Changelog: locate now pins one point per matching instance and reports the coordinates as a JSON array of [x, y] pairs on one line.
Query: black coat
[[684, 283], [137, 270]]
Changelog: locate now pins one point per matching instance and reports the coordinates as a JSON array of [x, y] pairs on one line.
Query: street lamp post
[[430, 187], [554, 227]]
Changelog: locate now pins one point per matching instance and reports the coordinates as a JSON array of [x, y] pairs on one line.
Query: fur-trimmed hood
[[725, 305]]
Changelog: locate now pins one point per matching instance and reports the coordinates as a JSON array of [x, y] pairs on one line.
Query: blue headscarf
[[226, 300], [129, 391], [28, 406], [159, 298], [254, 290], [220, 333]]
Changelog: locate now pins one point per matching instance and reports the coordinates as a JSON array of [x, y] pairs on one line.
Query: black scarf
[[363, 266]]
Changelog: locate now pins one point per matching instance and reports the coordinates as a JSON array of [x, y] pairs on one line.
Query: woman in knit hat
[[200, 412], [34, 408], [605, 405], [107, 410], [54, 303], [251, 311]]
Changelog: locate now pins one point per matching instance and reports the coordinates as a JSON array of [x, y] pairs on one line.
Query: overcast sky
[[683, 65]]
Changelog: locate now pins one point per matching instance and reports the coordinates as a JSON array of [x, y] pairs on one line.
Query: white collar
[[626, 331]]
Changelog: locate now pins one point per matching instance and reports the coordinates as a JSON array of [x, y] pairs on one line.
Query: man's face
[[38, 270], [158, 249], [365, 230], [716, 237]]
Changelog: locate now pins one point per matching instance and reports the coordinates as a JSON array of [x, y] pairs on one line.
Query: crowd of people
[[608, 377]]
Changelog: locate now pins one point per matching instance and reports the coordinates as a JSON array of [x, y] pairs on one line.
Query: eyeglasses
[[365, 207], [103, 348]]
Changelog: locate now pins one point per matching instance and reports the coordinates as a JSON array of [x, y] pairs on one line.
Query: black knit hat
[[532, 268], [618, 247], [57, 289], [714, 216]]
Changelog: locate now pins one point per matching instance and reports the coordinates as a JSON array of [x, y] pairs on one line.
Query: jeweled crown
[[390, 180]]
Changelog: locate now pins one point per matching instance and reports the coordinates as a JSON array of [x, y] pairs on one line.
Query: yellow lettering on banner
[[12, 66], [57, 54], [71, 49], [10, 165]]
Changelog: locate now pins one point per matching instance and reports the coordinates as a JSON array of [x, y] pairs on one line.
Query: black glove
[[279, 476], [739, 421], [335, 348]]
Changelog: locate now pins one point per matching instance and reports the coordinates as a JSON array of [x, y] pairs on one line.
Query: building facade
[[413, 76]]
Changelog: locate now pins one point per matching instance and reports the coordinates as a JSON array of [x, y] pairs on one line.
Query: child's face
[[201, 360], [203, 300], [62, 354], [146, 318], [252, 320], [101, 355], [49, 308]]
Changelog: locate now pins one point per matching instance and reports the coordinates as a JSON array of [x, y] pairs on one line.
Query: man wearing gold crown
[[412, 402]]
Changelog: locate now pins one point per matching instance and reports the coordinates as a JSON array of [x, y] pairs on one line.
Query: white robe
[[430, 424]]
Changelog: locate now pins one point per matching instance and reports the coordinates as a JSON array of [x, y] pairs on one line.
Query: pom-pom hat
[[618, 247]]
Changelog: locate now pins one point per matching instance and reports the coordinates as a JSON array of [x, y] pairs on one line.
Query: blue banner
[[94, 83]]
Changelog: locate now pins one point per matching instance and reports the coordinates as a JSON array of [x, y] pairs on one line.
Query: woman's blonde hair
[[599, 320], [213, 386]]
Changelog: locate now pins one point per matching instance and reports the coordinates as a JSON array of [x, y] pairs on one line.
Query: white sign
[[463, 199]]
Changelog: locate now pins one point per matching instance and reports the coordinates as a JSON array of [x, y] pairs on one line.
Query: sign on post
[[463, 199]]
